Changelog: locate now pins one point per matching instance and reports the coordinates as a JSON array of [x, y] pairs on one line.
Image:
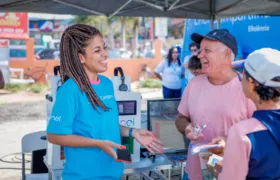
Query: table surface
[[146, 164]]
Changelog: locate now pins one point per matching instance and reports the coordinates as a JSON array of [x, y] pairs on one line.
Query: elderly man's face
[[213, 57]]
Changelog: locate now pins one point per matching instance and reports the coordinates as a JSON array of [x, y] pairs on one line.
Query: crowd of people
[[239, 107], [241, 110]]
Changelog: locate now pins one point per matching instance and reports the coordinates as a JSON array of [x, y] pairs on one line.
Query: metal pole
[[120, 8], [212, 23], [218, 24], [79, 7], [150, 4], [212, 11]]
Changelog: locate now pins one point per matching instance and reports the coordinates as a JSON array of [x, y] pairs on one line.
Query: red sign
[[14, 25], [4, 43]]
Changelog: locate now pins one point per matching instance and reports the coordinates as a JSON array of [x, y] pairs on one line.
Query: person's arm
[[182, 72], [183, 118], [236, 156], [78, 141], [124, 131], [186, 63], [238, 64], [159, 69], [73, 140], [144, 137], [182, 122], [60, 126], [158, 76]]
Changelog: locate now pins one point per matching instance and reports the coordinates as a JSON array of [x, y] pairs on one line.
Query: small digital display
[[127, 107]]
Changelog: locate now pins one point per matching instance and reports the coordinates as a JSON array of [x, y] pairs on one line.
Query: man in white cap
[[253, 145], [215, 98]]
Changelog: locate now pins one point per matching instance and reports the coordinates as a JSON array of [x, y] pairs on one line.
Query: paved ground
[[22, 113]]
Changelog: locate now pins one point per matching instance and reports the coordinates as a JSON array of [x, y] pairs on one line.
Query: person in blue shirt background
[[194, 50], [170, 71], [85, 117]]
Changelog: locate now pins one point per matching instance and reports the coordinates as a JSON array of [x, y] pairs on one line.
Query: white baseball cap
[[264, 65]]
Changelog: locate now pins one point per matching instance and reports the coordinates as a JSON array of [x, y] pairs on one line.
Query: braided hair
[[73, 41]]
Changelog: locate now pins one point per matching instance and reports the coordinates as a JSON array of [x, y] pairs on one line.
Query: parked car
[[47, 54]]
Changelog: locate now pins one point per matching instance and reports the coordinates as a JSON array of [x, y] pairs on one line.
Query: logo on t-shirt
[[56, 118], [102, 98], [107, 97]]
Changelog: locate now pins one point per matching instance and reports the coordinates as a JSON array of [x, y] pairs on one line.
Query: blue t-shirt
[[73, 114]]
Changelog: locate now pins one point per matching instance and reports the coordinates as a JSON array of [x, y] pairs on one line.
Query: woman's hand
[[148, 140], [109, 148], [189, 132], [221, 140]]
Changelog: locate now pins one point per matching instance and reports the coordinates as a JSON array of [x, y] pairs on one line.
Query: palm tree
[[100, 22], [136, 33], [104, 24], [123, 24]]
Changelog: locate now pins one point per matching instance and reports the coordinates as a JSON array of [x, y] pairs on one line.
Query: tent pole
[[218, 24], [79, 7], [120, 8], [183, 5], [212, 11], [212, 22]]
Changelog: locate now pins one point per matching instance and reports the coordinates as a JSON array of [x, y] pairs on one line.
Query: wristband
[[130, 132]]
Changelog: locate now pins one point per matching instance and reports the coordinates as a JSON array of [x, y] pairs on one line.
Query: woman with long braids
[[85, 115]]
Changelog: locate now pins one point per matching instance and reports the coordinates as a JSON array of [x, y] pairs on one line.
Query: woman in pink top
[[214, 98], [253, 145]]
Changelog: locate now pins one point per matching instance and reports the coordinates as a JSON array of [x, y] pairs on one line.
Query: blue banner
[[252, 32]]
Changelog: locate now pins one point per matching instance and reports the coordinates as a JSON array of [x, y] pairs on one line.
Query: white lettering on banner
[[252, 17], [197, 22], [243, 18], [258, 28], [56, 118], [19, 30], [234, 19], [11, 30]]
